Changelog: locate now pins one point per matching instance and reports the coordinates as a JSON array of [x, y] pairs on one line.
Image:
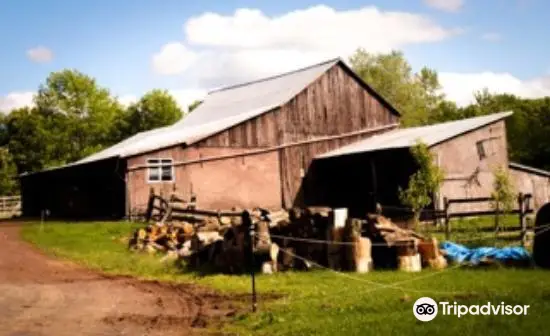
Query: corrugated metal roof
[[407, 137], [517, 166], [220, 110]]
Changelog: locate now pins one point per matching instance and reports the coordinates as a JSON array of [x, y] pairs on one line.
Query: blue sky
[[123, 44]]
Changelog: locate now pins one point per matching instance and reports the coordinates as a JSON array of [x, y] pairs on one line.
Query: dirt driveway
[[42, 296]]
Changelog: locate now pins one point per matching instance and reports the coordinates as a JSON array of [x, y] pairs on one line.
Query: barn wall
[[296, 162], [459, 160], [261, 131], [534, 184], [242, 181], [334, 104]]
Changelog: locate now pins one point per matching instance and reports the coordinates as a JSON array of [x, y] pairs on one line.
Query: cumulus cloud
[[173, 58], [460, 87], [314, 28], [249, 44], [16, 100], [40, 54], [445, 5], [219, 50]]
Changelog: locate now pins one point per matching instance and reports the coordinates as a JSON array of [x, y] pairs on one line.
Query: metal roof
[[407, 137], [517, 166], [220, 110]]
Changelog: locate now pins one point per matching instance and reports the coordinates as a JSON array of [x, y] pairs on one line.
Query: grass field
[[324, 302]]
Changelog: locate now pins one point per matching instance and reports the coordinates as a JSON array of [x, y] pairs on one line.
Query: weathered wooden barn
[[315, 136], [529, 180]]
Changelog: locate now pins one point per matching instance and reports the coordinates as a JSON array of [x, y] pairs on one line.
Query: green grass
[[324, 302]]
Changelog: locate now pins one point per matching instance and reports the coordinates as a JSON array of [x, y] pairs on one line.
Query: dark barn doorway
[[359, 181], [95, 190]]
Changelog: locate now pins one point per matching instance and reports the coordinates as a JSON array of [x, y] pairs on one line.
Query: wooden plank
[[177, 210], [470, 200]]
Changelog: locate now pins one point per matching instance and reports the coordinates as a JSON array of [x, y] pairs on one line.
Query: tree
[[503, 194], [415, 95], [156, 108], [193, 105], [423, 183], [78, 112], [28, 139], [8, 173]]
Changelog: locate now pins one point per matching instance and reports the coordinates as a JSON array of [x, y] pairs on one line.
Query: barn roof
[[220, 110], [407, 137], [528, 169], [226, 107]]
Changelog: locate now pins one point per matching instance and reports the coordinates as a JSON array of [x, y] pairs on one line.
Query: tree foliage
[[8, 173], [503, 191], [193, 105], [423, 183], [73, 117], [415, 95], [157, 108]]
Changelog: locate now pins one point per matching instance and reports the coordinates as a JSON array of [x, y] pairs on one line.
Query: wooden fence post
[[522, 222], [447, 218], [434, 212]]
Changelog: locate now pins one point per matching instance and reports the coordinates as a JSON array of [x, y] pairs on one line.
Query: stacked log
[[301, 238], [411, 250]]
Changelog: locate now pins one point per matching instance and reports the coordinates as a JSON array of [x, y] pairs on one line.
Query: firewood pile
[[298, 239], [402, 248]]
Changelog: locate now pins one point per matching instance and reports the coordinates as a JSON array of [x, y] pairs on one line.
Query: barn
[[315, 136]]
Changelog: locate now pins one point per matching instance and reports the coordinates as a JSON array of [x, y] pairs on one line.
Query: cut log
[[410, 263], [362, 255]]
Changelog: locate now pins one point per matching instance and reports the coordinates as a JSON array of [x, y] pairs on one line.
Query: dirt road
[[42, 296]]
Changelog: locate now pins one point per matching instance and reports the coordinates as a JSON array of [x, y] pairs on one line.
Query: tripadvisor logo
[[426, 309]]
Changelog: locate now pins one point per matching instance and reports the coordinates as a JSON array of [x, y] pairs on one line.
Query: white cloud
[[460, 87], [491, 37], [173, 58], [127, 99], [16, 100], [315, 28], [185, 97], [228, 49], [445, 5], [219, 50], [40, 54]]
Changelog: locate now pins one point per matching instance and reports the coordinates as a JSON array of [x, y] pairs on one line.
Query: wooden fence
[[522, 210], [10, 206]]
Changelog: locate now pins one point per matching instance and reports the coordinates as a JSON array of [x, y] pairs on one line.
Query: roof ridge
[[234, 86]]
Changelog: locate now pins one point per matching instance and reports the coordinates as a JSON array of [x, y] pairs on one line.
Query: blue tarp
[[460, 253]]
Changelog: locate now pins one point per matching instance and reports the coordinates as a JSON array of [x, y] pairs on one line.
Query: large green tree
[[78, 111], [415, 95], [157, 108], [8, 173], [29, 140]]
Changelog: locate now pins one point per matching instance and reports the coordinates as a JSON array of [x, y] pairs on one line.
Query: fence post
[[434, 212], [522, 223], [447, 218]]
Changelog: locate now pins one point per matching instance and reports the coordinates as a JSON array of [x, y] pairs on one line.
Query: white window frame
[[160, 163]]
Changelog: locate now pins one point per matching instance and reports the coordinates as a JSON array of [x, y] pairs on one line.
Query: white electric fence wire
[[394, 285]]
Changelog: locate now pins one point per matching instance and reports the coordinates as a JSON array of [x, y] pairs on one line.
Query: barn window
[[481, 150], [160, 170]]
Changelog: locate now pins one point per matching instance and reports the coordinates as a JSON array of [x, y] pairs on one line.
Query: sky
[[191, 47]]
